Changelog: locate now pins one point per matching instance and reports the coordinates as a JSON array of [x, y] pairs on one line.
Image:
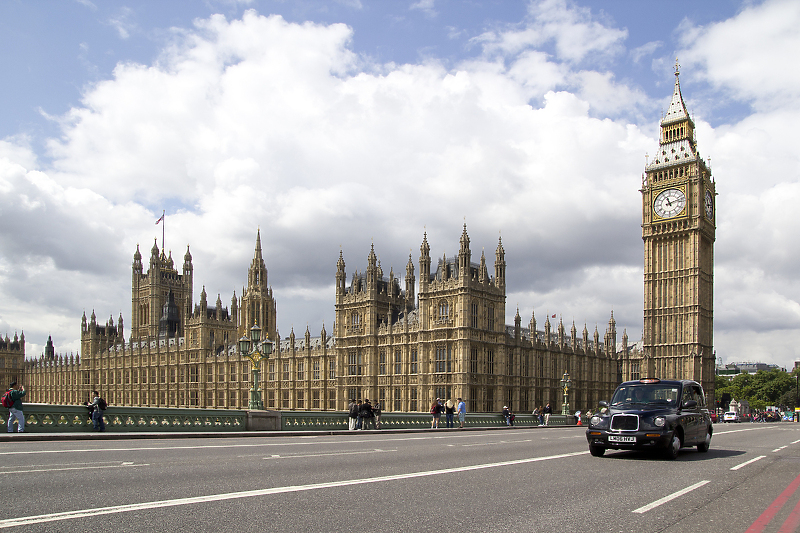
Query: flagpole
[[163, 224]]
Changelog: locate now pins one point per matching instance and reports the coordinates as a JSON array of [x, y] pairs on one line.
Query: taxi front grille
[[624, 423]]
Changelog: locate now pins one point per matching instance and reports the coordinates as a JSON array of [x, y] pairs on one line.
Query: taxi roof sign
[[650, 380]]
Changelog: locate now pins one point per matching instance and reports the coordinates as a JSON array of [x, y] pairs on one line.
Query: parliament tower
[[678, 229]]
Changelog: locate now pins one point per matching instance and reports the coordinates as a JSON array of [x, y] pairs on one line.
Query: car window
[[699, 396], [652, 395], [688, 394]]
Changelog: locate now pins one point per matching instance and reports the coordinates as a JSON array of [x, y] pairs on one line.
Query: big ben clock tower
[[678, 229]]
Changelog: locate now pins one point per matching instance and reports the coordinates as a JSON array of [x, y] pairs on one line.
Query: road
[[540, 479]]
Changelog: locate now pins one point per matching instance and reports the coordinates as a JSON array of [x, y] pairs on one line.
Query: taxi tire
[[703, 446], [671, 453], [597, 451]]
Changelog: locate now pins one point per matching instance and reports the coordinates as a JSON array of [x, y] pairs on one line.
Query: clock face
[[709, 205], [670, 203]]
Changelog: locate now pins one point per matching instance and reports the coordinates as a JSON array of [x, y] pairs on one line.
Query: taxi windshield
[[647, 395]]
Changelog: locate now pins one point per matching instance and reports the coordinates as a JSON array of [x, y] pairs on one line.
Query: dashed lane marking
[[737, 467], [670, 497]]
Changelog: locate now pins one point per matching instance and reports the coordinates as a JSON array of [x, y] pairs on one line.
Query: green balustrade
[[43, 418]]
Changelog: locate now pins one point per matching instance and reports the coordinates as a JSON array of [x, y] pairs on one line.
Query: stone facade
[[388, 344], [678, 230], [12, 357]]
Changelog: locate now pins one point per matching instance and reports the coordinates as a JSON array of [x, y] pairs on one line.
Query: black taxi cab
[[652, 414]]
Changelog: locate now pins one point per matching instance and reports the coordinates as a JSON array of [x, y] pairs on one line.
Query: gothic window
[[444, 310], [635, 375], [510, 363], [398, 365], [355, 320], [413, 369], [490, 361], [526, 366], [315, 371], [233, 372], [443, 362], [413, 402], [271, 371], [301, 375], [354, 364], [315, 399], [473, 360], [382, 362], [286, 372], [332, 371], [490, 318], [474, 315], [397, 402], [331, 399]]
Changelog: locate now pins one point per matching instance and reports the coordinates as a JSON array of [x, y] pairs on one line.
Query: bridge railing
[[45, 418]]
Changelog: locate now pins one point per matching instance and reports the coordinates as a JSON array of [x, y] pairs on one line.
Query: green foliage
[[761, 389]]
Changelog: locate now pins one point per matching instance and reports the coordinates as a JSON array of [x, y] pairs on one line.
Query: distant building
[[12, 357]]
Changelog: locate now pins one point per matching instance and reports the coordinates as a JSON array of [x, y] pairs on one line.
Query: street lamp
[[255, 357], [565, 383]]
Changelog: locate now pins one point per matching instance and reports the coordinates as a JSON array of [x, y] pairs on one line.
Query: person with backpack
[[12, 400], [99, 405], [367, 415]]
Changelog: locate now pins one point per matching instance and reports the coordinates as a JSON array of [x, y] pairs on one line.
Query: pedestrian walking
[[376, 410], [99, 406], [449, 412], [507, 415], [352, 410], [462, 412], [15, 394], [540, 414], [547, 412]]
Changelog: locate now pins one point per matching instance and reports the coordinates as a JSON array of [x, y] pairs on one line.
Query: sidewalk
[[149, 435]]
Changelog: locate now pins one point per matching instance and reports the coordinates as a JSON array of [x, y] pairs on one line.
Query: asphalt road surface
[[540, 479]]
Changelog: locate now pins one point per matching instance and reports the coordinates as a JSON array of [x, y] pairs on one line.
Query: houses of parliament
[[405, 341]]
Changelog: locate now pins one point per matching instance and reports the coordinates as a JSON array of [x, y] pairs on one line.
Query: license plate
[[615, 438]]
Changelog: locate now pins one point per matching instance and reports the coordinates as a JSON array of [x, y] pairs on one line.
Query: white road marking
[[795, 441], [778, 449], [332, 454], [671, 497], [253, 445], [740, 430], [737, 467], [92, 467], [84, 513]]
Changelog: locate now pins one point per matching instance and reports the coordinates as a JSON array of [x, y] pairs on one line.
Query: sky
[[334, 126]]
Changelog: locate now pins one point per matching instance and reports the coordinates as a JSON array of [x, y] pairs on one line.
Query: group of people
[[449, 409], [543, 414], [16, 392], [364, 415]]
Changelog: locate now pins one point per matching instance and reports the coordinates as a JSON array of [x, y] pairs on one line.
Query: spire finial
[[677, 68]]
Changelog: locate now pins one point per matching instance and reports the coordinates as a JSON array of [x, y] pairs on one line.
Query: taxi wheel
[[671, 453], [703, 447], [597, 451]]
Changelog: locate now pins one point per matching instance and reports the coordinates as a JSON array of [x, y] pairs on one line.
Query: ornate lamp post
[[255, 356], [565, 384]]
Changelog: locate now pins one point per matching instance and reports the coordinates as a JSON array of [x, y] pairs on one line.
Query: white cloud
[[122, 22], [573, 31], [752, 55], [426, 6]]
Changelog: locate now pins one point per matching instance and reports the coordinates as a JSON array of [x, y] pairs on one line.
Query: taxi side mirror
[[691, 404], [602, 403]]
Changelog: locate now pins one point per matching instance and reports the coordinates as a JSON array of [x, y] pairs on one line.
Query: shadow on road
[[686, 454]]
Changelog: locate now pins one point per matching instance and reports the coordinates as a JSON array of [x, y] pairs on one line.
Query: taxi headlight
[[595, 421], [659, 421]]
